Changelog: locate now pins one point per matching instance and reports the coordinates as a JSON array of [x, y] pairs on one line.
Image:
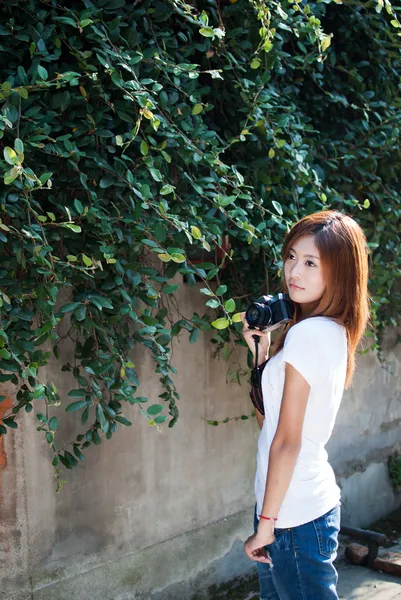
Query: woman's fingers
[[260, 555]]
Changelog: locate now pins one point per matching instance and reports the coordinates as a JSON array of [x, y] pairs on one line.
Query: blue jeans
[[302, 558]]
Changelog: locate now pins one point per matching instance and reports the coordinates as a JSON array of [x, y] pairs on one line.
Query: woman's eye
[[310, 263], [290, 256]]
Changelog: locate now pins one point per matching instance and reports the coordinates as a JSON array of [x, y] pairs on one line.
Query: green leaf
[[19, 146], [100, 302], [74, 228], [230, 305], [221, 323], [69, 307], [178, 258], [23, 92], [150, 243], [221, 290], [123, 421], [53, 423], [77, 393], [10, 156], [207, 292], [78, 206], [207, 32], [167, 189], [144, 149], [86, 260], [213, 303], [45, 177], [42, 73], [76, 406], [11, 175], [78, 453], [105, 182], [155, 174], [160, 419], [277, 207], [196, 232], [268, 46], [194, 336], [104, 424], [170, 288], [197, 109], [66, 20], [165, 257], [155, 409]]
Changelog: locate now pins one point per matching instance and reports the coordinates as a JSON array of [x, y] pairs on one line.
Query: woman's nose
[[296, 270]]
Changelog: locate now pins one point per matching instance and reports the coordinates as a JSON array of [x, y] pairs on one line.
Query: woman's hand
[[264, 343], [255, 547]]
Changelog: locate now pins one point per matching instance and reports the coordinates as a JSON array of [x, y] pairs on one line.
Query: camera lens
[[258, 315], [254, 313]]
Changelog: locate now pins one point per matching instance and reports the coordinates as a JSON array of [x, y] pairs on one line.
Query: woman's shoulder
[[317, 327]]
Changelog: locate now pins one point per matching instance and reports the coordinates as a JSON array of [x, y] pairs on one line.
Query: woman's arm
[[282, 459], [286, 444]]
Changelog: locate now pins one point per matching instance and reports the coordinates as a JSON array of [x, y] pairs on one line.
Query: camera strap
[[257, 340], [256, 374]]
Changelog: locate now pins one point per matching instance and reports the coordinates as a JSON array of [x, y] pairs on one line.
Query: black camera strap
[[257, 340], [256, 375]]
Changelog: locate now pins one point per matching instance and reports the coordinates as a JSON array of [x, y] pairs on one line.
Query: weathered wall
[[162, 515], [367, 431]]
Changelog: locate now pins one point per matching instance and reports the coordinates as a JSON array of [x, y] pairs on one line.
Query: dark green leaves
[[77, 393], [76, 406], [123, 421], [70, 307], [101, 417], [53, 423], [131, 176], [10, 422]]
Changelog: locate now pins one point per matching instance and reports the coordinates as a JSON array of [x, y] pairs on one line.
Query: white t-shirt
[[317, 348]]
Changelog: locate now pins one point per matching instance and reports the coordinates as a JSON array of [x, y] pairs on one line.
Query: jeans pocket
[[327, 528], [282, 539]]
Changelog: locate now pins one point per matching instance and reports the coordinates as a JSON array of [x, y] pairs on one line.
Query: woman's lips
[[295, 287]]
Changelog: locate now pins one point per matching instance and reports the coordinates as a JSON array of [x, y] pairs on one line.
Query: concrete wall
[[162, 516]]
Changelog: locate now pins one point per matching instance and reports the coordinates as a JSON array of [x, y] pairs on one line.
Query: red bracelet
[[268, 518]]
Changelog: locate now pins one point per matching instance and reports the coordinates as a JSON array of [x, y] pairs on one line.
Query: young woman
[[297, 516]]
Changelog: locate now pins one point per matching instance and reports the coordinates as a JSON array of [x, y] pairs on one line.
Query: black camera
[[270, 311]]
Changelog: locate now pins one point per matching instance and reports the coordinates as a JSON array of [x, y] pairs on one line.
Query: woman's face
[[304, 274]]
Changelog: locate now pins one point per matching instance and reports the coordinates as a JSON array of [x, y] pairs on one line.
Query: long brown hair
[[344, 256]]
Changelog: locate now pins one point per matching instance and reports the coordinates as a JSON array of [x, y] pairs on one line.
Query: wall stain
[[389, 425]]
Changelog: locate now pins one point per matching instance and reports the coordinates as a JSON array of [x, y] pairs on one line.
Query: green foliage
[[136, 135], [394, 470]]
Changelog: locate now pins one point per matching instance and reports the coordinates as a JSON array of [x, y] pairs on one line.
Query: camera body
[[270, 311]]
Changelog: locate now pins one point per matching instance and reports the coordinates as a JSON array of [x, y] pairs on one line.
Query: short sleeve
[[305, 348]]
